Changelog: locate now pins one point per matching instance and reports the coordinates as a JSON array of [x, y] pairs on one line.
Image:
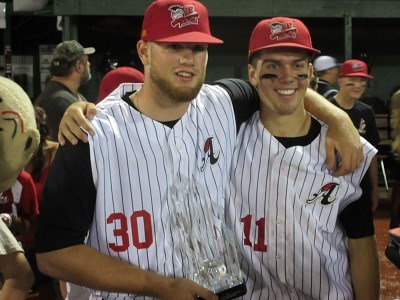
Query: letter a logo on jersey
[[324, 194], [209, 154]]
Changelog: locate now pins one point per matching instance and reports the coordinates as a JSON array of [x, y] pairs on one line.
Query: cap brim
[[191, 37], [89, 50], [358, 75], [287, 45]]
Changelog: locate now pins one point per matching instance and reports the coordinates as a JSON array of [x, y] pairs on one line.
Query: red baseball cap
[[117, 76], [177, 21], [354, 68], [280, 32]]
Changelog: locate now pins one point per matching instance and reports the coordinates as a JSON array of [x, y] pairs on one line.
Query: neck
[[345, 102], [328, 78], [69, 82], [157, 106], [293, 125]]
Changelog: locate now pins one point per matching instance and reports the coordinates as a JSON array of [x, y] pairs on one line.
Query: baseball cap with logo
[[177, 21], [325, 62], [354, 68], [280, 32], [69, 51]]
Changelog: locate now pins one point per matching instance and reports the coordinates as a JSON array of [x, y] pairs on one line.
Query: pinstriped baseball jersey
[[135, 161], [284, 205]]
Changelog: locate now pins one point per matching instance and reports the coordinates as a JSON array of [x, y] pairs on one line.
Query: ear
[[143, 51], [79, 67], [310, 70], [252, 75]]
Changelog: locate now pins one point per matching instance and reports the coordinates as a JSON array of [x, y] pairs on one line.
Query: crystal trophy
[[206, 244]]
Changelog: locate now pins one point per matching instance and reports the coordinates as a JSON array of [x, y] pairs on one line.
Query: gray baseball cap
[[69, 51]]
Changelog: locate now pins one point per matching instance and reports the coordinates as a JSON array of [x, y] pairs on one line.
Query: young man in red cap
[[106, 220], [117, 76], [353, 80], [303, 233]]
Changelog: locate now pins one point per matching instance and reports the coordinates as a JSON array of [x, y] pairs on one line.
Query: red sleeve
[[28, 205]]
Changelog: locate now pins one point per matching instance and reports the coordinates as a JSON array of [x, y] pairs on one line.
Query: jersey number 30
[[140, 216]]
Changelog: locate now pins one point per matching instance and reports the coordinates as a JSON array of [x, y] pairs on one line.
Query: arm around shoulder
[[342, 138], [75, 118]]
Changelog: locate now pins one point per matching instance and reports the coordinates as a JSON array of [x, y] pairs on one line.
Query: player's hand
[[6, 218], [343, 139], [185, 289], [74, 120]]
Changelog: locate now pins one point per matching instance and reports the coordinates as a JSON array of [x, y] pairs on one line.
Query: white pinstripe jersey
[[284, 205], [134, 163]]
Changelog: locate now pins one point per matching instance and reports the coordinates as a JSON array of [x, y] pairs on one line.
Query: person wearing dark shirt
[[327, 71], [353, 80], [70, 68]]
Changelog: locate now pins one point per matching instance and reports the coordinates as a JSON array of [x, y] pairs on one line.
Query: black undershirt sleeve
[[244, 97], [69, 199], [357, 217]]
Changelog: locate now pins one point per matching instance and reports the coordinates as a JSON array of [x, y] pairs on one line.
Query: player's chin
[[187, 93]]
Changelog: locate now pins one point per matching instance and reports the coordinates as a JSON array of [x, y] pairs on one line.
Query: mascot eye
[[1, 100], [28, 143]]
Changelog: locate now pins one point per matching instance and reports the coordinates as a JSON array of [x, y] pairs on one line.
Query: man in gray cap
[[70, 68], [327, 70]]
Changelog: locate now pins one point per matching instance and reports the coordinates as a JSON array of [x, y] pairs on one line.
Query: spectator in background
[[40, 162], [70, 68], [395, 160], [19, 208], [117, 76], [353, 80], [327, 70], [38, 167], [18, 141]]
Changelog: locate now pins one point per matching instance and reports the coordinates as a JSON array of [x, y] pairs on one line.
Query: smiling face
[[176, 70], [352, 88], [281, 77]]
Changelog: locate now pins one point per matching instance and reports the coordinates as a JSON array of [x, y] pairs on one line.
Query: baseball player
[[302, 233], [105, 223], [353, 80]]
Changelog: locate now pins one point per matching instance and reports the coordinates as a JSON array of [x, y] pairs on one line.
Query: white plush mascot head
[[19, 137]]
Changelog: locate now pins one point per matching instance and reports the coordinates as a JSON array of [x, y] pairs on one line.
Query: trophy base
[[233, 292]]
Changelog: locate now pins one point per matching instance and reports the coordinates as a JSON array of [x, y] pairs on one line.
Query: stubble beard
[[179, 94], [86, 76]]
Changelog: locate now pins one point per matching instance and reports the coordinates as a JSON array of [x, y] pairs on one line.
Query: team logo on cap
[[184, 15], [357, 67], [283, 30]]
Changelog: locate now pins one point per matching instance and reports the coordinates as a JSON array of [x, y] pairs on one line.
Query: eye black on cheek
[[268, 76]]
